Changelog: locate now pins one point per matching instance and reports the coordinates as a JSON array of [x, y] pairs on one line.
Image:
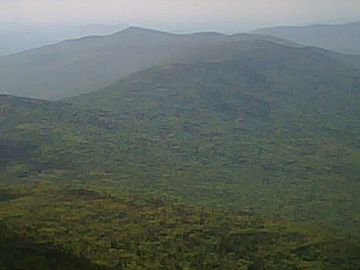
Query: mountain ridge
[[16, 37], [83, 65], [343, 38]]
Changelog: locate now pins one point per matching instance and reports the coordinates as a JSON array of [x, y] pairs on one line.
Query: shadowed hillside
[[25, 254]]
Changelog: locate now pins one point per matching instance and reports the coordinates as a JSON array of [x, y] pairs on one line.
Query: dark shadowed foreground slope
[[21, 253]]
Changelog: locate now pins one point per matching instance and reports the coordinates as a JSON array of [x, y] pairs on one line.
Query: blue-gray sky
[[220, 15]]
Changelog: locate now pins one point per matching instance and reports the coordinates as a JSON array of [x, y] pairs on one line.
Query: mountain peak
[[140, 30]]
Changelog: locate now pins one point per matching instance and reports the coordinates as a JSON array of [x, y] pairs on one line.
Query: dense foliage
[[120, 231], [187, 166]]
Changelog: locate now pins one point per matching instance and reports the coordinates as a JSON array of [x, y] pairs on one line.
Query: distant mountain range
[[344, 38], [87, 64], [18, 37]]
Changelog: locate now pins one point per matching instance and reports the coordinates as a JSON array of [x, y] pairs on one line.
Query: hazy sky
[[221, 15]]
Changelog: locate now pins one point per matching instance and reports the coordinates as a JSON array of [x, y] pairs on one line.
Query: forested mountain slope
[[274, 128], [126, 231], [37, 136], [245, 132]]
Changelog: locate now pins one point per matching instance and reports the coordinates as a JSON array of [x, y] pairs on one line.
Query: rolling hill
[[225, 141], [273, 128], [255, 130], [83, 65], [343, 38]]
